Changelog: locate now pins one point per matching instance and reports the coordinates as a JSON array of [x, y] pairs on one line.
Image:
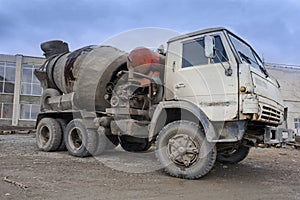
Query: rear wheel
[[234, 156], [183, 151], [48, 134], [80, 142], [63, 125]]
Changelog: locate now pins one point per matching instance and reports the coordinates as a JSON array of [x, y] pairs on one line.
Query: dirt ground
[[265, 174]]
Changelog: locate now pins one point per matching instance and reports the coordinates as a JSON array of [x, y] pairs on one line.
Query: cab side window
[[193, 53]]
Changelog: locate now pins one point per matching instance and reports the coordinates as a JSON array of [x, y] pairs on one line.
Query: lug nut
[[195, 151], [186, 163]]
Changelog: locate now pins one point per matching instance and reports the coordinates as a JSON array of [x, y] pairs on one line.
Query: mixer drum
[[86, 72]]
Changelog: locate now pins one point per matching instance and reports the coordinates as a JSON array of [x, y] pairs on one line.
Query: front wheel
[[234, 156], [183, 151]]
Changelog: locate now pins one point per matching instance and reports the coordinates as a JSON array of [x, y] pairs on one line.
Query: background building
[[289, 80], [20, 91]]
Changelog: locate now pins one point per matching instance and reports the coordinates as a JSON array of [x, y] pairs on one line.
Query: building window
[[297, 123], [6, 110], [7, 77], [30, 84], [29, 111]]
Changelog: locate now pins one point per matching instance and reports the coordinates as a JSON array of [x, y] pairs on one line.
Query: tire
[[178, 160], [48, 134], [63, 125], [48, 93], [132, 144], [234, 156], [80, 142]]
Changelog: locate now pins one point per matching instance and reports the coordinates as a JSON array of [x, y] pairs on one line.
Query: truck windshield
[[246, 54]]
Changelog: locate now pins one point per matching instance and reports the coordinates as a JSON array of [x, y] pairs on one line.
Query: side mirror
[[209, 43]]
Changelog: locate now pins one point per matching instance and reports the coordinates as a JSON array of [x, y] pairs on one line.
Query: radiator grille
[[270, 114]]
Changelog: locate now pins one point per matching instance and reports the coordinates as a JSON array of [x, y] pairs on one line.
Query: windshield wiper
[[245, 58], [248, 60]]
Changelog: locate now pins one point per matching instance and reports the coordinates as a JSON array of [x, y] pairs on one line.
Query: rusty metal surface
[[69, 66], [143, 60]]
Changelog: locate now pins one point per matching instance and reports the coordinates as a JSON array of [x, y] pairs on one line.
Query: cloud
[[270, 26], [149, 37]]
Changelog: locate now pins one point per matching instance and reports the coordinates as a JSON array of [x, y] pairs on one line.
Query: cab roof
[[208, 30]]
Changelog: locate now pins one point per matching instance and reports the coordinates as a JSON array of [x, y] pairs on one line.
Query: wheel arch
[[169, 111]]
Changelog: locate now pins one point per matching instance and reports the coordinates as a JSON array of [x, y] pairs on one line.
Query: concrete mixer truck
[[207, 98]]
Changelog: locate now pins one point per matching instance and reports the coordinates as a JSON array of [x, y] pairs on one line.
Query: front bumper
[[278, 135]]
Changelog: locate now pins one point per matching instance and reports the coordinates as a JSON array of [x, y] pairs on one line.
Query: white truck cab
[[216, 81], [228, 85]]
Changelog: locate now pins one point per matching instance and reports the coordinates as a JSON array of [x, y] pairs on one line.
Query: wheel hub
[[75, 138], [183, 150], [45, 135]]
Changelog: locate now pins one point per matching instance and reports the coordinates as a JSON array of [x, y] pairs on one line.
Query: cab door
[[193, 77]]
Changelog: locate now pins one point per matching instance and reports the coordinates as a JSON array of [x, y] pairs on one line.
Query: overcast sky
[[272, 27]]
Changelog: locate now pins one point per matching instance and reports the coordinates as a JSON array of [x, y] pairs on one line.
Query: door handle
[[180, 85]]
